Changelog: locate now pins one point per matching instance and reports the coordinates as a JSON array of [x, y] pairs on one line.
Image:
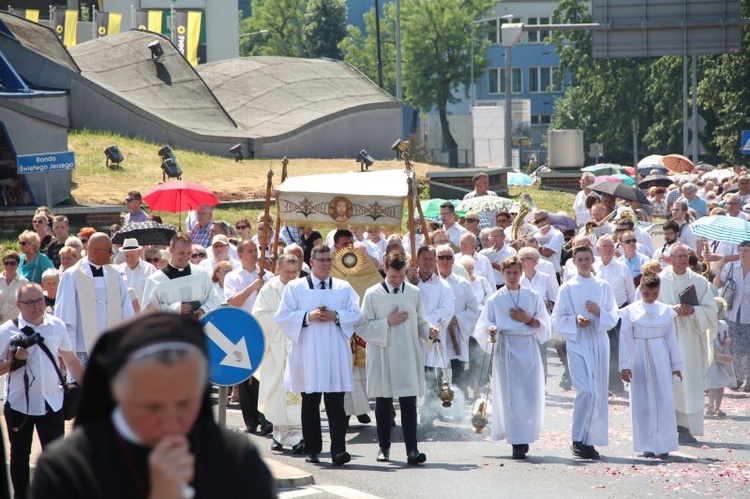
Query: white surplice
[[649, 348], [439, 304], [693, 334], [162, 293], [588, 353], [517, 373], [278, 404], [320, 359], [395, 360], [466, 313]]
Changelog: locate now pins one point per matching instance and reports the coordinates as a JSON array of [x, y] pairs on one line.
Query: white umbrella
[[654, 159]]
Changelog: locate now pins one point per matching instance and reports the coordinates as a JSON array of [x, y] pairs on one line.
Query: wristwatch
[[337, 319]]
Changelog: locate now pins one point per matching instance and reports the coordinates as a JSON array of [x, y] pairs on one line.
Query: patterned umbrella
[[722, 228], [148, 233], [485, 203]]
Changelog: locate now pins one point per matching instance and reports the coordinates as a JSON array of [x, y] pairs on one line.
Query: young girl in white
[[721, 372]]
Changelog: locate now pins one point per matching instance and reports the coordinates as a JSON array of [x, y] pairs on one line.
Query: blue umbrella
[[647, 169], [518, 178], [722, 228]]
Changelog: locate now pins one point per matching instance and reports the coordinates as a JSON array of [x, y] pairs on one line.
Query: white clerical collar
[[177, 268], [123, 428]]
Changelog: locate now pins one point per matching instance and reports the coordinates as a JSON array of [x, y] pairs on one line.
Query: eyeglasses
[[628, 241], [198, 255], [472, 220], [241, 227], [445, 257], [540, 220], [32, 303], [324, 260], [40, 221], [437, 243], [10, 263], [153, 260]]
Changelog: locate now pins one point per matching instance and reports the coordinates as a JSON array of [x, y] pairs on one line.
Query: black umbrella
[[148, 233], [658, 180], [620, 190]]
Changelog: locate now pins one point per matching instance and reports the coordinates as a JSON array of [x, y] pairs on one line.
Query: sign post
[[745, 142], [46, 163], [235, 349]]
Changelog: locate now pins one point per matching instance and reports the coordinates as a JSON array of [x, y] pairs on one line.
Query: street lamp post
[[511, 35]]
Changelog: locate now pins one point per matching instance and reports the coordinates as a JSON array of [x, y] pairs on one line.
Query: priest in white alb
[[649, 357], [513, 323], [318, 314], [280, 405], [92, 297], [696, 324], [584, 312]]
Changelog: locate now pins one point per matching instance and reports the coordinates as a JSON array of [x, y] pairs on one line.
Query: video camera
[[26, 341]]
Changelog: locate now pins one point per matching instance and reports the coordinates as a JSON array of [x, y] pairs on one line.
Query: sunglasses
[[38, 221], [153, 260], [84, 241], [127, 200], [240, 227], [10, 263], [23, 243], [445, 257], [198, 255], [472, 220], [628, 241], [537, 222]]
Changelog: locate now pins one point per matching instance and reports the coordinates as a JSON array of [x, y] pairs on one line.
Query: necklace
[[517, 299]]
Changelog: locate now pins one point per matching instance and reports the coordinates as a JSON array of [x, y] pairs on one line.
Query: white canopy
[[373, 198]]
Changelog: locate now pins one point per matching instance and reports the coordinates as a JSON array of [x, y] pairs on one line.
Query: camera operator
[[33, 393]]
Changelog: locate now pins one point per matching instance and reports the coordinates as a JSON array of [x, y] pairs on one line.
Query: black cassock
[[95, 462]]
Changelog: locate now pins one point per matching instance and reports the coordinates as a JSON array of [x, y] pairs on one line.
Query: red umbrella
[[179, 195]]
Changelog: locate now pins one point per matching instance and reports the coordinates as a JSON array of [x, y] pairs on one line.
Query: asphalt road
[[463, 464]]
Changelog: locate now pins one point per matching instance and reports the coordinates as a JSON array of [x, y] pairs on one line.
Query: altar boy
[[649, 360]]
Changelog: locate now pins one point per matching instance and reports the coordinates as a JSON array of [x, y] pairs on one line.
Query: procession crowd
[[416, 319]]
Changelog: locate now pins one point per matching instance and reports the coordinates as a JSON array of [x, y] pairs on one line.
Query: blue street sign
[[745, 142], [235, 345], [46, 162]]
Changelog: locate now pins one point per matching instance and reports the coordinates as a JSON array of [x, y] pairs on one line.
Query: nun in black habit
[[136, 438]]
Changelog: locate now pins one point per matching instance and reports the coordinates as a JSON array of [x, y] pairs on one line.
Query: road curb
[[288, 477]]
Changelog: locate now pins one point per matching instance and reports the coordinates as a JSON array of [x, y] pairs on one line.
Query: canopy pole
[[263, 238], [284, 164]]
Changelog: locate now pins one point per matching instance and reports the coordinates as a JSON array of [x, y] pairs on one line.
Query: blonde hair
[[30, 237]]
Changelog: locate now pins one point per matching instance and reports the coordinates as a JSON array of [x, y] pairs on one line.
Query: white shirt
[[136, 278], [618, 276], [497, 256], [582, 213], [455, 232], [44, 383], [482, 267], [239, 279], [553, 240]]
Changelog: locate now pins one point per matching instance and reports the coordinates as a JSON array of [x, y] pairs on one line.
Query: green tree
[[273, 29], [437, 38], [724, 92], [360, 49], [323, 28], [606, 94]]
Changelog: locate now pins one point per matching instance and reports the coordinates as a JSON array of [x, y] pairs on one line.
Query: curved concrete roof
[[274, 96], [170, 89], [39, 39]]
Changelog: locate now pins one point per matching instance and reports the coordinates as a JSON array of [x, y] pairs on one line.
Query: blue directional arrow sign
[[745, 142], [235, 345]]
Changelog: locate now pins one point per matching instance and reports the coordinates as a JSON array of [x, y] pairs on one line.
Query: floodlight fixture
[[157, 53], [114, 156], [365, 161], [237, 151], [400, 146], [170, 169], [166, 153]]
